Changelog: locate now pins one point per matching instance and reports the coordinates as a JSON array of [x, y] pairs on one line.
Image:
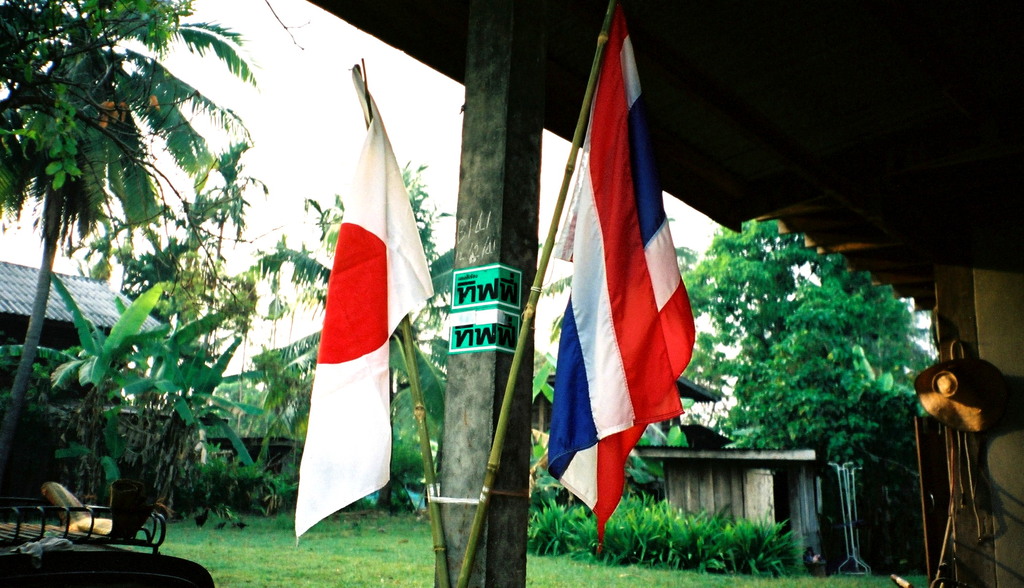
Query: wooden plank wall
[[759, 494], [744, 491], [803, 506], [731, 489]]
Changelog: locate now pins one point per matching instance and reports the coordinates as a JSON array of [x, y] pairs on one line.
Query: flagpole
[[501, 428], [420, 412], [419, 409]]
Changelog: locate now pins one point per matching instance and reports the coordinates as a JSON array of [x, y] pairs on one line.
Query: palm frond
[[17, 168], [14, 182], [200, 38], [558, 286], [74, 209], [307, 271], [301, 353], [167, 97], [432, 385], [88, 200], [119, 166], [441, 272], [224, 117], [133, 186]]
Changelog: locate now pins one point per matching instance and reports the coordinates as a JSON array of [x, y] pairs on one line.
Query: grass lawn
[[370, 549]]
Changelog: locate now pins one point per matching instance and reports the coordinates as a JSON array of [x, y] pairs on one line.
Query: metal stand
[[853, 564]]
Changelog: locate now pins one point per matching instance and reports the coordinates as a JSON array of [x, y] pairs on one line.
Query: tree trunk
[[16, 405]]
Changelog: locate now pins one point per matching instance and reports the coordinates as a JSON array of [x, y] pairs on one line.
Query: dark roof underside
[[690, 389], [890, 132]]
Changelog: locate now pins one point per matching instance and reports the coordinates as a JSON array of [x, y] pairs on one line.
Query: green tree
[[160, 380], [186, 253], [82, 93], [815, 357]]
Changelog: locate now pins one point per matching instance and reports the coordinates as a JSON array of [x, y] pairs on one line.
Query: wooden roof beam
[[813, 206], [901, 279], [834, 222], [688, 79], [838, 242]]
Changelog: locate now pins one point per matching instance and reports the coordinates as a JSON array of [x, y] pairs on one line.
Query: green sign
[[487, 286], [483, 330]]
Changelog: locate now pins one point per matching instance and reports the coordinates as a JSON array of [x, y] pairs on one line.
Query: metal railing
[[94, 525]]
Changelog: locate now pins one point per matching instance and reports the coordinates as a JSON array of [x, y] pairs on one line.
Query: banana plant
[[101, 352], [93, 432], [188, 373], [166, 377]]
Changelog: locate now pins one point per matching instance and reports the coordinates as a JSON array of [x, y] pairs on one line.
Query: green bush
[[227, 487], [648, 532], [697, 542], [750, 547], [557, 530], [406, 470]]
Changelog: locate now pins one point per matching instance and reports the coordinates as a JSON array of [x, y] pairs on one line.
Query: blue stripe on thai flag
[[628, 330]]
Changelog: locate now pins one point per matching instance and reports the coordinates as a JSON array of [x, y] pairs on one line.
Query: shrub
[[642, 531], [648, 532], [558, 530], [698, 542], [226, 486], [758, 548]]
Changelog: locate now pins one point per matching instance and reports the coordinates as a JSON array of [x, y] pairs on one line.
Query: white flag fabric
[[379, 275]]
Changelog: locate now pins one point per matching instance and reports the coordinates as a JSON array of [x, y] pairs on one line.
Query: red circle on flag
[[356, 318]]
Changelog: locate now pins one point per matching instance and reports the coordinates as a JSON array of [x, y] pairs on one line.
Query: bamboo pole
[[419, 410], [494, 459]]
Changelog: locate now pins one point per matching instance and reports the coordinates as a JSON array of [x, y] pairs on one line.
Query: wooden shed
[[753, 484]]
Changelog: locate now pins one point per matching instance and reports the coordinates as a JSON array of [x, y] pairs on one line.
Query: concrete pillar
[[496, 223], [984, 308], [999, 298]]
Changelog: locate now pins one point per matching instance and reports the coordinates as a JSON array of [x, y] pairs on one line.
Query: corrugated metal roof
[[98, 302]]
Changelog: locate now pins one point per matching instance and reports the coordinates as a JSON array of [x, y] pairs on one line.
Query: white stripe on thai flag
[[628, 330]]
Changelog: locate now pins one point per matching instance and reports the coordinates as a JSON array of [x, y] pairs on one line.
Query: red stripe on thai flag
[[635, 312], [628, 332]]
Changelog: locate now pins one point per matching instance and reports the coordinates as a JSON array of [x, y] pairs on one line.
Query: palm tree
[[84, 104]]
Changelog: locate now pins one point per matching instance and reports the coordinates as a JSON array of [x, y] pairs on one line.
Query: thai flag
[[379, 275], [628, 330]]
